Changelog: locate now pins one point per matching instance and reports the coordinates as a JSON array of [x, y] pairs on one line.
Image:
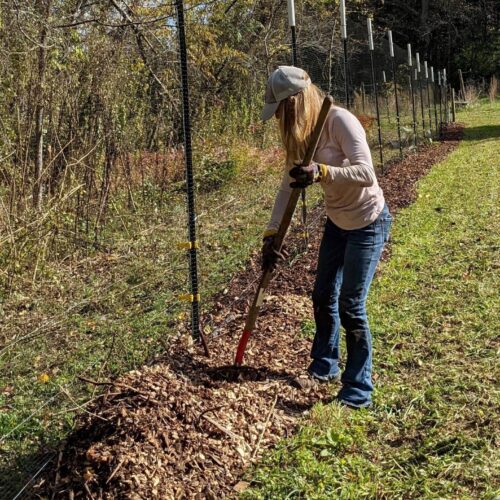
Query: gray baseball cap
[[283, 82]]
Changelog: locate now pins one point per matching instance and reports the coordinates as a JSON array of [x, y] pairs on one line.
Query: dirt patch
[[188, 426]]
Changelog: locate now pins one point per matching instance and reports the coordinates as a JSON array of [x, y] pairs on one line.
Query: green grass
[[435, 317]]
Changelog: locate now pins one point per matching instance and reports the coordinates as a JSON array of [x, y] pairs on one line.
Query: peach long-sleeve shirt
[[353, 198]]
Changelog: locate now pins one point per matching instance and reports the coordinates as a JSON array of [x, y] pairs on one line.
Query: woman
[[357, 226]]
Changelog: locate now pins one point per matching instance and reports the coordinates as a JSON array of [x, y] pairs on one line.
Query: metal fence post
[[343, 34], [433, 85], [426, 69], [398, 123], [291, 22], [384, 81], [440, 104], [412, 92], [453, 110], [446, 107], [363, 96], [371, 49], [419, 78], [192, 244]]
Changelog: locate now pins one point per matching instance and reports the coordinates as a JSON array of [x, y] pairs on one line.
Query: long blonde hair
[[297, 116]]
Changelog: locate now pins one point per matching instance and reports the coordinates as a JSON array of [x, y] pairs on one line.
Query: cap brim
[[269, 110]]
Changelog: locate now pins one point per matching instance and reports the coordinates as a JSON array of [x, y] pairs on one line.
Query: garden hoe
[[280, 236]]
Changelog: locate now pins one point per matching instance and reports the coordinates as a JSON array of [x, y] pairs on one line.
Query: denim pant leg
[[362, 254], [325, 350]]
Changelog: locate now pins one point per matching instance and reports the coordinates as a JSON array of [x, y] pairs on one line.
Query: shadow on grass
[[481, 132], [19, 476]]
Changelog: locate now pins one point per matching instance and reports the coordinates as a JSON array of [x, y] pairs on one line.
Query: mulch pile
[[188, 426]]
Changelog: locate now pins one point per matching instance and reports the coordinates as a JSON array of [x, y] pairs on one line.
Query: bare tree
[[43, 10]]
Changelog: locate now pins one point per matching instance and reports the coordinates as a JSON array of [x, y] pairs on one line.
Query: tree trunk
[[43, 9]]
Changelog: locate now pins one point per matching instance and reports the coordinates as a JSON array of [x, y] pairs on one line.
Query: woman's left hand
[[271, 256], [305, 175]]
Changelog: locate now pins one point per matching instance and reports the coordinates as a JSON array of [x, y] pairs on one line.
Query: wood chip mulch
[[187, 426]]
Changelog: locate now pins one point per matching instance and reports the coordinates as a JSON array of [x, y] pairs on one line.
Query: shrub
[[215, 173]]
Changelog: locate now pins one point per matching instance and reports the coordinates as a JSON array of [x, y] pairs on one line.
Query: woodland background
[[89, 92]]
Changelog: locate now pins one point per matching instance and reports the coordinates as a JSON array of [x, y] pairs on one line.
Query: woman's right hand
[[305, 175]]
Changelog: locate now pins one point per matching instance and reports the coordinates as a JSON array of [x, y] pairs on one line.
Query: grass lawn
[[435, 317]]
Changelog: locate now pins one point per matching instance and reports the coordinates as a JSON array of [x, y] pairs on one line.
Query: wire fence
[[118, 180]]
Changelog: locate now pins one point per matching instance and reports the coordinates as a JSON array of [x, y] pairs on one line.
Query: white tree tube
[[291, 13], [343, 25], [417, 56], [391, 46], [439, 78], [383, 77], [410, 62], [370, 34], [432, 74], [426, 71]]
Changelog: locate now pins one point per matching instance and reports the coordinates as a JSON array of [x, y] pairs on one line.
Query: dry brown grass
[[471, 94], [493, 88]]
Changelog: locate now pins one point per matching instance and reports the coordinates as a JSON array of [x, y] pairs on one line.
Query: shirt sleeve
[[350, 135], [280, 204]]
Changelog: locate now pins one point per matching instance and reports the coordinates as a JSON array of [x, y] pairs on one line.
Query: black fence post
[[363, 96], [446, 108], [192, 244], [393, 63], [453, 109], [433, 85], [426, 69], [291, 22], [343, 35], [419, 78], [386, 94], [440, 103], [412, 92], [371, 49]]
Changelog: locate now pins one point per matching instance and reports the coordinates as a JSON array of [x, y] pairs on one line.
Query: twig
[[80, 407], [58, 470], [229, 433], [204, 412], [115, 470], [87, 490], [93, 382], [266, 423], [114, 384]]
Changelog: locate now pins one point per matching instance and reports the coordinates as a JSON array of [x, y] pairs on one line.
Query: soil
[[188, 426]]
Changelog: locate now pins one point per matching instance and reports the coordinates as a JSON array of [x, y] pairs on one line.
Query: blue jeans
[[346, 265]]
